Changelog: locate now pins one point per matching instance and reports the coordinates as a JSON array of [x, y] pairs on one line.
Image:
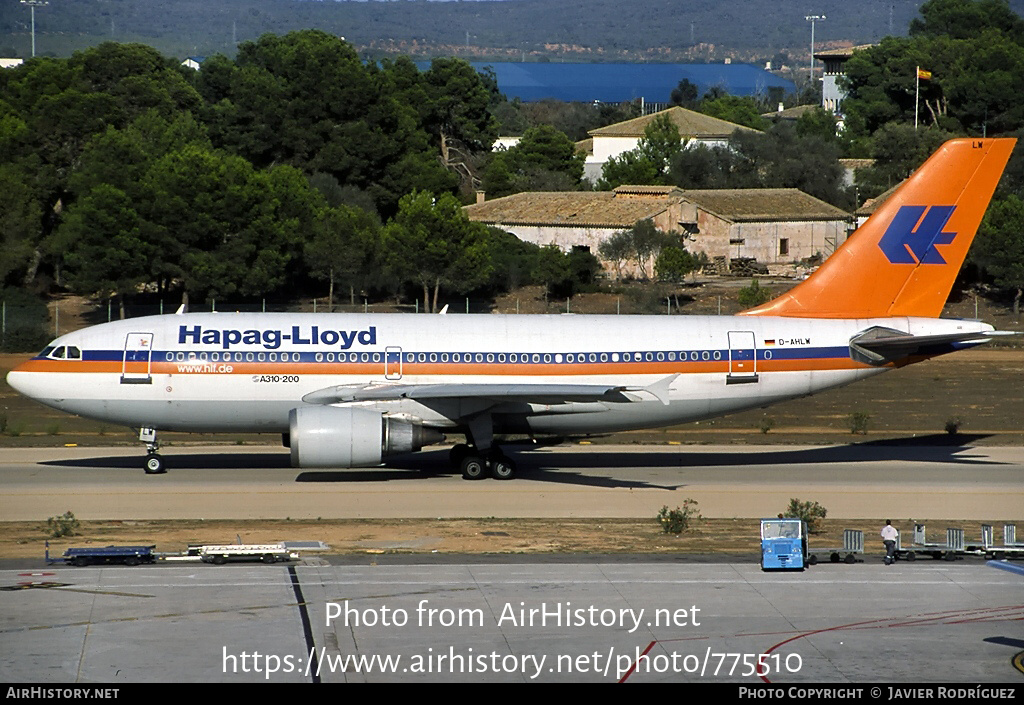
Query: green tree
[[898, 150], [550, 268], [544, 159], [964, 19], [975, 52], [742, 110], [685, 94], [650, 162], [1000, 246], [675, 262], [101, 243], [641, 245], [511, 259], [343, 249], [458, 105], [431, 242], [21, 224], [778, 158]]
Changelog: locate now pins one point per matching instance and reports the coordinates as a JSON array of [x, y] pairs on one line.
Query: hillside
[[597, 30]]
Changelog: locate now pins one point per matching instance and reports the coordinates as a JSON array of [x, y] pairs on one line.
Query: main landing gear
[[154, 462], [475, 464]]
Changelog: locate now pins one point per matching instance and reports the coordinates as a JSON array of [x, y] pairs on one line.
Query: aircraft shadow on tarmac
[[435, 463], [570, 466], [937, 448]]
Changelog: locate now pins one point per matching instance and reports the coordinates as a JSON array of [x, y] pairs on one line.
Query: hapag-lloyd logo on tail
[[903, 243], [272, 339]]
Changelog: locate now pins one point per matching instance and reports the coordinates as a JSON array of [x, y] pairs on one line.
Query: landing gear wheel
[[473, 467], [154, 465], [502, 468]]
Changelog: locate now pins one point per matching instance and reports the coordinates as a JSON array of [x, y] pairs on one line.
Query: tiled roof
[[626, 205], [764, 204], [794, 113], [689, 122], [846, 51], [852, 163], [567, 208]]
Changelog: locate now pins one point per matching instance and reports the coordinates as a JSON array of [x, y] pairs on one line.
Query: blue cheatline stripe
[[1003, 565], [476, 358]]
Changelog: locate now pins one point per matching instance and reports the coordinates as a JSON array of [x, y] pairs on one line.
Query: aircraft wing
[[880, 345], [529, 393]]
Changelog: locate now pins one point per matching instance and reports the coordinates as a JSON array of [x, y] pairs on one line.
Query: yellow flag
[[924, 75]]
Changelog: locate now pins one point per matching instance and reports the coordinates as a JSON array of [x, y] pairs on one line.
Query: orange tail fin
[[903, 260]]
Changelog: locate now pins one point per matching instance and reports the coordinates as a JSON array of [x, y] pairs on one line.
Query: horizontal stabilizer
[[880, 345]]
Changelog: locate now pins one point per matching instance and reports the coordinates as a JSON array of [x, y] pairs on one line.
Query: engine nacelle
[[351, 437]]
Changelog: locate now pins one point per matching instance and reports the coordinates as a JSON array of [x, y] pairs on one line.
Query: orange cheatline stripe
[[410, 369]]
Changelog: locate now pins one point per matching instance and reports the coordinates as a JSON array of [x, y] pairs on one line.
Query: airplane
[[351, 390]]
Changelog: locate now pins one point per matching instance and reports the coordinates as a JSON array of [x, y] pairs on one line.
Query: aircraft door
[[392, 363], [742, 358], [136, 366]]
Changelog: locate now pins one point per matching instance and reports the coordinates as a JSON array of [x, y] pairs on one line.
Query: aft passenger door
[[393, 363], [136, 365], [742, 358]]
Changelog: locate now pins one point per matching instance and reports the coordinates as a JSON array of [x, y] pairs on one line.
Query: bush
[[953, 425], [810, 512], [767, 423], [676, 521], [25, 328], [63, 525], [754, 295], [859, 422]]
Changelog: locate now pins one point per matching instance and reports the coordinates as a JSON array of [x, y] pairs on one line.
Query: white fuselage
[[245, 372]]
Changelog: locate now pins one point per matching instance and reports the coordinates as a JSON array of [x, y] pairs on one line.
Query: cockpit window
[[64, 352]]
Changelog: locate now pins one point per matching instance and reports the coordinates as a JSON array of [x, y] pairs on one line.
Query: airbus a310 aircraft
[[348, 390]]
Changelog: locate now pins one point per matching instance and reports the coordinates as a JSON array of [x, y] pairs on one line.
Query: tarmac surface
[[514, 621], [863, 480], [517, 618]]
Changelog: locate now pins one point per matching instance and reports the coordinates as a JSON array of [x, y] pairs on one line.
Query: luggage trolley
[[853, 544]]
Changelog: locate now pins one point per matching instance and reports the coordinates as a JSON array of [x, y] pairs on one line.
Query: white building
[[613, 140]]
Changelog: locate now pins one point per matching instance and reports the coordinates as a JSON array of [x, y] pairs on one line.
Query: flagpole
[[917, 93]]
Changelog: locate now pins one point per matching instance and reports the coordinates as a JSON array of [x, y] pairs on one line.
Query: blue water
[[613, 83]]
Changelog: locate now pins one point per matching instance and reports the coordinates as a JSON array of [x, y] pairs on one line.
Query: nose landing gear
[[154, 464]]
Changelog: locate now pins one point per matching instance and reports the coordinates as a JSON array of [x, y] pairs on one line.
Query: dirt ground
[[26, 540]]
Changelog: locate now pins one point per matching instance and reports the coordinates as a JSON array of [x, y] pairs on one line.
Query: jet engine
[[346, 437]]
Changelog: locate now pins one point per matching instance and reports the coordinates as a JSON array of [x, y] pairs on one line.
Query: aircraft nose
[[20, 380]]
